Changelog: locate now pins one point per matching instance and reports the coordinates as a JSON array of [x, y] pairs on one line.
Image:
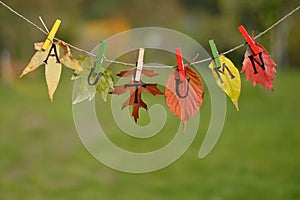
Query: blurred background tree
[[85, 23]]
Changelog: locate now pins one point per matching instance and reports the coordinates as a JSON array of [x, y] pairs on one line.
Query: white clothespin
[[139, 65]]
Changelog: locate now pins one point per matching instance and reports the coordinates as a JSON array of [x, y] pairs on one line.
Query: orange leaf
[[184, 98]]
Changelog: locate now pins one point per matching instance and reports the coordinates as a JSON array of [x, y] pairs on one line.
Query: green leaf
[[76, 74], [85, 91], [105, 83]]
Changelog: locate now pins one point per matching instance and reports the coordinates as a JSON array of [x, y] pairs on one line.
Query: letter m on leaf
[[222, 71]]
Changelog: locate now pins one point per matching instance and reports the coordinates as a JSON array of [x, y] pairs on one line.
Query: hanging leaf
[[105, 83], [76, 74], [136, 89], [37, 59], [184, 98], [85, 91], [52, 73], [53, 57], [228, 78], [67, 58], [259, 68]]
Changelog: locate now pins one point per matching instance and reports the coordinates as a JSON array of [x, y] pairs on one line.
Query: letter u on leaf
[[86, 91], [184, 98], [228, 78]]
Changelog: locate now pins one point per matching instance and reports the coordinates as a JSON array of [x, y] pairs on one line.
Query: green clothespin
[[215, 53], [102, 49], [96, 70]]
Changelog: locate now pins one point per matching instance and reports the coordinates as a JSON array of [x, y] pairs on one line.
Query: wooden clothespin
[[215, 53], [251, 42], [51, 35], [180, 65], [139, 65]]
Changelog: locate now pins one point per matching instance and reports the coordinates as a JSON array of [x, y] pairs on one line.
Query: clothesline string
[[164, 66]]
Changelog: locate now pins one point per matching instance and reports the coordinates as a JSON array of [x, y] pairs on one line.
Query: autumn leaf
[[136, 89], [81, 61], [37, 59], [67, 58], [52, 74], [259, 68], [53, 57], [228, 78], [184, 98], [85, 91], [105, 83]]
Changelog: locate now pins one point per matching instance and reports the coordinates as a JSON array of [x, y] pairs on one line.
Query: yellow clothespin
[[51, 35], [139, 65]]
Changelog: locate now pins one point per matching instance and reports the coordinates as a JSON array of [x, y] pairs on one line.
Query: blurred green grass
[[41, 156]]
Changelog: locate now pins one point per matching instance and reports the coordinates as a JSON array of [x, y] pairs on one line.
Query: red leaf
[[188, 102], [136, 89], [259, 68]]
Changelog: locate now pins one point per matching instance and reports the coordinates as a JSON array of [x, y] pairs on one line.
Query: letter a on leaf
[[260, 68], [136, 88], [56, 54], [228, 78], [184, 98]]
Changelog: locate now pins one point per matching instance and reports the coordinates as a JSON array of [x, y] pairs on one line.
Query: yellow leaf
[[36, 60], [38, 46], [228, 78], [53, 57], [66, 57], [52, 73]]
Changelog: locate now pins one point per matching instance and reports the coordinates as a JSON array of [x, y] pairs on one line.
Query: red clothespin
[[180, 65], [251, 42]]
